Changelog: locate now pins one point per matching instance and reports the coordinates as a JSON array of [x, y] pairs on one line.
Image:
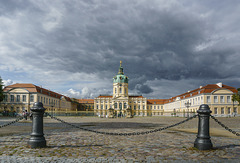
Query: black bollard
[[203, 141], [37, 139]]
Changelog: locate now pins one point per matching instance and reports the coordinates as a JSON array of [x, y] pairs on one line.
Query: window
[[215, 110], [120, 106], [115, 105], [229, 110], [222, 99], [24, 98], [138, 107], [208, 99], [115, 90], [215, 99], [41, 99], [222, 110], [97, 106], [228, 99], [18, 98], [102, 107], [134, 107], [106, 107], [31, 98], [158, 107], [12, 98], [125, 105], [44, 100], [143, 107], [120, 90], [161, 107], [154, 107], [235, 110], [5, 98]]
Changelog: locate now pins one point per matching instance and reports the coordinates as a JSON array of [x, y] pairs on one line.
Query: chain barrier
[[123, 134], [224, 126], [10, 123]]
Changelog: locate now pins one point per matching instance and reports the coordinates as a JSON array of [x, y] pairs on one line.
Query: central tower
[[120, 84]]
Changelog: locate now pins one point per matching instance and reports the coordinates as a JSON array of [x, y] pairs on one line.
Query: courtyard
[[68, 144]]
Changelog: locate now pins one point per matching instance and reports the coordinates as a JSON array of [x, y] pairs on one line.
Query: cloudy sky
[[74, 46]]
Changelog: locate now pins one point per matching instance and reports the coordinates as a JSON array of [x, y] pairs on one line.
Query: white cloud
[[7, 82]]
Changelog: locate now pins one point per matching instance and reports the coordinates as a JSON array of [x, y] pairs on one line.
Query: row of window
[[129, 101], [223, 110], [215, 99], [120, 90], [18, 98], [47, 101], [155, 107], [120, 106]]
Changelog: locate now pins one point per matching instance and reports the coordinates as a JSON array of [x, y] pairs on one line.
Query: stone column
[[37, 139], [203, 141]]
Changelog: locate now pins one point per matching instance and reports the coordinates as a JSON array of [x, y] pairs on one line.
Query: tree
[[1, 90], [236, 97]]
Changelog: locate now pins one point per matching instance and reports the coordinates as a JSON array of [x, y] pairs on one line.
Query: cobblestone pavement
[[67, 144]]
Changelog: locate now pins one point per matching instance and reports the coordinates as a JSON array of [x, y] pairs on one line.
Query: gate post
[[37, 139], [203, 141]]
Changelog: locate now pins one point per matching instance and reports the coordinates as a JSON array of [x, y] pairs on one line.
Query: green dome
[[120, 79]]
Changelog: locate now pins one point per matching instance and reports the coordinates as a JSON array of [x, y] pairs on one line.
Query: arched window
[[120, 90], [115, 105], [120, 106]]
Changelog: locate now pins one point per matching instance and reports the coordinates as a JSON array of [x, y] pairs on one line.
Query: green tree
[[236, 97], [1, 90]]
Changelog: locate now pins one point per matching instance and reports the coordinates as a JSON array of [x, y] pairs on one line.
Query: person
[[25, 114], [31, 116], [14, 113]]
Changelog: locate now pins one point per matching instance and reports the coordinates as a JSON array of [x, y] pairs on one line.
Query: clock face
[[120, 85]]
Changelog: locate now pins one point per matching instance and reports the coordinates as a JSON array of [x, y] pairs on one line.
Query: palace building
[[20, 97], [217, 96], [120, 101]]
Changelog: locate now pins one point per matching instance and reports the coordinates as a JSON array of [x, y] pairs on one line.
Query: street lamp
[[52, 105], [188, 104]]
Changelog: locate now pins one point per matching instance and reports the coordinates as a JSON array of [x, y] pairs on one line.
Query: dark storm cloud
[[155, 40]]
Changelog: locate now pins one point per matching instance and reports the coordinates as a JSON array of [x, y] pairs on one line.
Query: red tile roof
[[156, 101], [33, 88], [89, 101], [205, 89]]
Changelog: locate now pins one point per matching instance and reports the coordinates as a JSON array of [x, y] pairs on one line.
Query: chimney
[[219, 84], [200, 87]]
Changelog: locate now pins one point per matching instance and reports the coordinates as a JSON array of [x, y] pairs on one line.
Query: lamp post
[[52, 105], [188, 104]]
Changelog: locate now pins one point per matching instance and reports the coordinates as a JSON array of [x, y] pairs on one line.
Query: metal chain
[[123, 134], [224, 126], [10, 123]]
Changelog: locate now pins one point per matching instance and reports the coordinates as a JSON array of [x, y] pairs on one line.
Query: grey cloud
[[143, 88], [154, 39]]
